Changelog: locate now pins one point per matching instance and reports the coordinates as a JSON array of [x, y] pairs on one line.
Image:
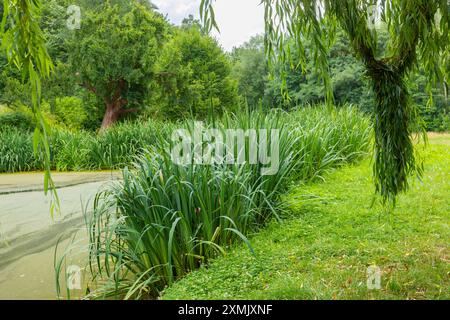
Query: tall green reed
[[165, 220], [79, 150], [16, 151]]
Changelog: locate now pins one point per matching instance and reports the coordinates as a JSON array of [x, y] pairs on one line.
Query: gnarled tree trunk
[[114, 105], [112, 114]]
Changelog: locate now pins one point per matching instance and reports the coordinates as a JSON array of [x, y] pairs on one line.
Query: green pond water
[[28, 234]]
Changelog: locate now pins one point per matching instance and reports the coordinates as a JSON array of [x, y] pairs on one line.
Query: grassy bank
[[324, 249], [165, 220]]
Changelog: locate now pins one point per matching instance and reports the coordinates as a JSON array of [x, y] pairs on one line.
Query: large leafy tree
[[113, 55], [194, 76], [419, 34]]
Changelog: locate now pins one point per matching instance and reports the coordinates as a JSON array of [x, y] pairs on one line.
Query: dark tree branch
[[127, 111], [89, 87]]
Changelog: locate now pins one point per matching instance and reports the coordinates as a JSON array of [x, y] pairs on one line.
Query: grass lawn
[[323, 249]]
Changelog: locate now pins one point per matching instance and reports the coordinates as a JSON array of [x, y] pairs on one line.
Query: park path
[[28, 234]]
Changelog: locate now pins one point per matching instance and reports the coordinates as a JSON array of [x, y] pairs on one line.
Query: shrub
[[71, 112], [16, 119]]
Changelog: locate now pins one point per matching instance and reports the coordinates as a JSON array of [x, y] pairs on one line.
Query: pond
[[28, 234]]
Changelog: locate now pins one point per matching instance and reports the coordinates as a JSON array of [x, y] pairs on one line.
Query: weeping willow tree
[[23, 42], [419, 35]]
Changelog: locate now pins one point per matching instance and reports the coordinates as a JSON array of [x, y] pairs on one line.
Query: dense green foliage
[[194, 76], [322, 250], [436, 116], [113, 55], [165, 220], [251, 71], [350, 84], [125, 61], [303, 86], [183, 82], [16, 119], [70, 112]]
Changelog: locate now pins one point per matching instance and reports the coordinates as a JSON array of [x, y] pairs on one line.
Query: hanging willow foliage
[[419, 34], [23, 42]]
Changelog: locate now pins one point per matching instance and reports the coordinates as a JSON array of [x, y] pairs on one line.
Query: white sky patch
[[238, 20]]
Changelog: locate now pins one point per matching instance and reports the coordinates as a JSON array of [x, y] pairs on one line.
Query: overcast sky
[[238, 20]]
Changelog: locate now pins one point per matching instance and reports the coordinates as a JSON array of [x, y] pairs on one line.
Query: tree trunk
[[114, 104], [112, 114]]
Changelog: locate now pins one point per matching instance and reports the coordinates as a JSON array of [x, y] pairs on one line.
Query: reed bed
[[164, 220], [16, 151], [80, 150]]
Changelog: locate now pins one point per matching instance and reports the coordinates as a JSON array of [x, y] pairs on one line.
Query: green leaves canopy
[[114, 52], [194, 76]]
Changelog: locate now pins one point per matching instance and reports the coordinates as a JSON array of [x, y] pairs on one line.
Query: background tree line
[[350, 84], [127, 61]]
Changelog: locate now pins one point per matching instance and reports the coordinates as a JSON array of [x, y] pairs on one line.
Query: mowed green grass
[[323, 249]]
